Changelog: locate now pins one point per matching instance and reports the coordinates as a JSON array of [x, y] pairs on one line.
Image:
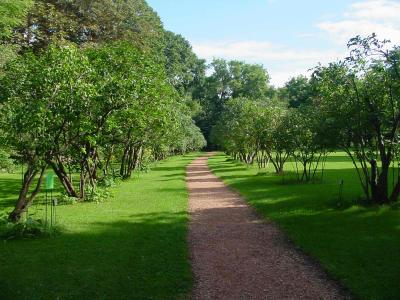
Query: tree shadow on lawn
[[8, 192], [8, 186], [332, 158], [142, 257], [176, 175], [357, 244], [161, 168], [9, 189], [338, 158], [229, 167], [316, 195], [250, 179]]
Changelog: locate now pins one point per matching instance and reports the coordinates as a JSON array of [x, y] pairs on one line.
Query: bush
[[97, 196], [30, 228], [144, 168], [67, 200], [109, 181]]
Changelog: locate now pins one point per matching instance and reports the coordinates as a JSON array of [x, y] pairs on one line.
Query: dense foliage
[[351, 105], [90, 90], [12, 14], [228, 79]]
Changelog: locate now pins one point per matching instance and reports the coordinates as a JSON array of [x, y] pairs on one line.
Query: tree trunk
[[108, 161], [24, 201], [64, 178], [280, 162], [124, 162], [305, 171], [134, 157], [82, 179], [274, 162], [379, 183]]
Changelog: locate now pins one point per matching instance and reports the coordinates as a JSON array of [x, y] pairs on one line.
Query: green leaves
[[42, 97], [230, 79], [79, 22], [89, 88], [12, 13]]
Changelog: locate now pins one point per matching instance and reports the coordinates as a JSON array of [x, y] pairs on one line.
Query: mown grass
[[358, 245], [132, 246]]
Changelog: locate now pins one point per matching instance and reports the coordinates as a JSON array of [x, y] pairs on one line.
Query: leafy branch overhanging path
[[235, 255]]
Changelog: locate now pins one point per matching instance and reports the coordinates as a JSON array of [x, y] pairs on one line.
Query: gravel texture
[[236, 255]]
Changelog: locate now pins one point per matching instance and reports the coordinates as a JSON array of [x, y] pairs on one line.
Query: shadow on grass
[[9, 186], [8, 192], [114, 260], [174, 175], [312, 195], [358, 245], [162, 168], [9, 189], [107, 251]]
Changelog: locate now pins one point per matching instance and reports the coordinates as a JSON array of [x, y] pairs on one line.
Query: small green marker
[[50, 181]]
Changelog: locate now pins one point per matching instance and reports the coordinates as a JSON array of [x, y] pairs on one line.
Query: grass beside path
[[131, 247], [357, 245]]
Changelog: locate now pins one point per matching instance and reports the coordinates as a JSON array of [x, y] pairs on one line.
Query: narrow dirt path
[[235, 255]]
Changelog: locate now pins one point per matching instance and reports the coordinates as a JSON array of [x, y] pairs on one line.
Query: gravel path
[[235, 255]]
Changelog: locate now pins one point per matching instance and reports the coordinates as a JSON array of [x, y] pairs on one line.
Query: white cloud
[[281, 62], [284, 62], [364, 18], [375, 10], [259, 51]]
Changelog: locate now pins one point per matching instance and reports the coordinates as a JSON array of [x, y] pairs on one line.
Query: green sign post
[[50, 181], [53, 202]]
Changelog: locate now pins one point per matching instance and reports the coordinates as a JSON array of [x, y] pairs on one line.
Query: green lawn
[[357, 245], [131, 247]]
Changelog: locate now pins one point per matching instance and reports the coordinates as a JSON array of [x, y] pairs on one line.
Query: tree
[[229, 80], [41, 96], [248, 80], [245, 130], [185, 71], [307, 141], [280, 139], [12, 14], [83, 107], [297, 91], [89, 22], [361, 98], [181, 62], [269, 132]]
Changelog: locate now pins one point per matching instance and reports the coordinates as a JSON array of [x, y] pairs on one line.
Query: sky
[[288, 37]]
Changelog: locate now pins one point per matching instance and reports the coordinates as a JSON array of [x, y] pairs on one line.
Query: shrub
[[109, 181], [67, 200], [97, 196], [30, 228]]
